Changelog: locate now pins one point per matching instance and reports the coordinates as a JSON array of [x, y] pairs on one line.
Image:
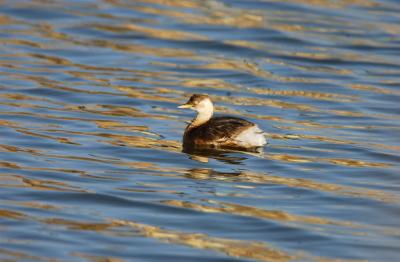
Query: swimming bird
[[219, 132]]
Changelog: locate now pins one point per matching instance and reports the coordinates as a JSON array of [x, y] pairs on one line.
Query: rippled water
[[90, 144]]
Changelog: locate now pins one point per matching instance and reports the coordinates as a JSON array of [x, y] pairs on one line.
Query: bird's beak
[[185, 106]]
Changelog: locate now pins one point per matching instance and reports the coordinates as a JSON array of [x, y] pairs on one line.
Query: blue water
[[91, 163]]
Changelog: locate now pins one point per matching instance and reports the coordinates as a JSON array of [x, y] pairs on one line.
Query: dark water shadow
[[229, 156]]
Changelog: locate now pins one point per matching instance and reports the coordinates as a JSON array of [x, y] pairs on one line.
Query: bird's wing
[[220, 129]]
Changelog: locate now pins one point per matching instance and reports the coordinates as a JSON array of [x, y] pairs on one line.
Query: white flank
[[252, 137]]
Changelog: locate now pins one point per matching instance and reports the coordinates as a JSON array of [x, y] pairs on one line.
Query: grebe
[[219, 132]]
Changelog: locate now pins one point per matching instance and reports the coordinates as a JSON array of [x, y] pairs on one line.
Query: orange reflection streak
[[262, 178], [19, 256], [236, 209], [218, 15], [254, 69], [94, 258], [374, 89], [153, 32], [9, 180], [58, 139], [335, 4], [265, 178], [143, 142], [336, 161], [236, 248], [11, 214]]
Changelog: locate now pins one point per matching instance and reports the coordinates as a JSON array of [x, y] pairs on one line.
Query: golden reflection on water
[[174, 3], [218, 15], [174, 146], [141, 49], [334, 4], [91, 226], [94, 258], [19, 255], [136, 93], [144, 142], [37, 58], [236, 248], [235, 209], [264, 178], [164, 33], [62, 140], [374, 89], [316, 138], [11, 214], [38, 205], [38, 184], [220, 84], [336, 161], [254, 69]]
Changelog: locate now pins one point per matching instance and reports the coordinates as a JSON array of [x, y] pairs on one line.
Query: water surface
[[91, 162]]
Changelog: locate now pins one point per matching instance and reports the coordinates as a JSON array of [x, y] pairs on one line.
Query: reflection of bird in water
[[219, 132], [206, 173], [224, 155]]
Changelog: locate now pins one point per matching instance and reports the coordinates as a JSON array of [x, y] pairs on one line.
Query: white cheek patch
[[201, 107], [205, 106]]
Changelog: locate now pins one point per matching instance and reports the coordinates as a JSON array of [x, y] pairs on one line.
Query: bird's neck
[[201, 118]]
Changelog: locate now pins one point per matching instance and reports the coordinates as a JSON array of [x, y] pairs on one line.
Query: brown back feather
[[217, 129]]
